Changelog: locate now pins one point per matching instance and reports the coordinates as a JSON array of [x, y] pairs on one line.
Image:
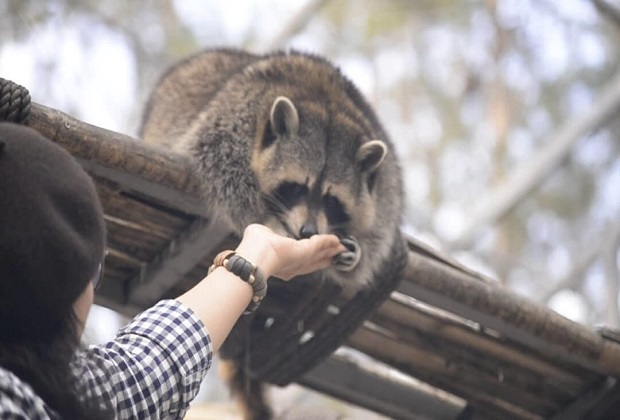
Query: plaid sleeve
[[154, 367], [18, 401]]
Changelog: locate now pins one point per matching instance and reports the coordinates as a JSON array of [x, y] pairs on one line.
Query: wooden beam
[[113, 295], [512, 316], [182, 255], [606, 394], [432, 367], [151, 171], [430, 277], [360, 384], [462, 341]]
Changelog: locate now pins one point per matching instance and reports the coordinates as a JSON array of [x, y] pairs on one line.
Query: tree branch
[[612, 317], [607, 10], [575, 278], [296, 24], [530, 175]]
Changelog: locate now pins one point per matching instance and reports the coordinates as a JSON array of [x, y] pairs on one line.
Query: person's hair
[[52, 239], [44, 363]]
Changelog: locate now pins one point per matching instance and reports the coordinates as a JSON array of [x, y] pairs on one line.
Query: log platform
[[447, 343]]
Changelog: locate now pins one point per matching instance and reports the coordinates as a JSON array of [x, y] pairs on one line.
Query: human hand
[[284, 257]]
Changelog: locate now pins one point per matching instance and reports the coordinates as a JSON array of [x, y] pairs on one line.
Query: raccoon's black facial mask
[[290, 194], [336, 214]]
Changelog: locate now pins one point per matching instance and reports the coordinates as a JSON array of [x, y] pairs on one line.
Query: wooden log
[[491, 366], [185, 251], [448, 334], [168, 179], [148, 170], [347, 378], [122, 205], [432, 368], [469, 367], [511, 315], [152, 171]]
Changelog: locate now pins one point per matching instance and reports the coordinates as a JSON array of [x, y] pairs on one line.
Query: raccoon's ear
[[370, 155], [283, 117]]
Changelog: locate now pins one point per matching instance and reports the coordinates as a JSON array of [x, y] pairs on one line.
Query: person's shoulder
[[17, 398]]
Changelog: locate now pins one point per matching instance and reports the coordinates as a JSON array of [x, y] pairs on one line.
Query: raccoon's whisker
[[278, 210], [289, 231], [279, 207]]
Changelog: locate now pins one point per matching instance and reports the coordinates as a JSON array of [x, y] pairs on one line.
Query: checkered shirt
[[152, 370]]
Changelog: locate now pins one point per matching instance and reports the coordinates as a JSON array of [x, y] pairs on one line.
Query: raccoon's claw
[[348, 260]]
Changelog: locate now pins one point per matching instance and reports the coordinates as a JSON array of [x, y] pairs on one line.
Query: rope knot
[[14, 102]]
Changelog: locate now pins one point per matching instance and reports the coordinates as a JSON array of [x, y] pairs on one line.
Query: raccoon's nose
[[308, 230]]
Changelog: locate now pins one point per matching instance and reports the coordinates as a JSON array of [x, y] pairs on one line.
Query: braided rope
[[14, 102]]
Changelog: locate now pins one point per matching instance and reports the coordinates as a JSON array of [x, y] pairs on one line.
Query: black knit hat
[[52, 233]]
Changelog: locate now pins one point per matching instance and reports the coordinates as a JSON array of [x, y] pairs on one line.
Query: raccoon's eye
[[334, 210], [290, 193]]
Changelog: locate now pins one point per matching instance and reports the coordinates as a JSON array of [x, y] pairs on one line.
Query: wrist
[[259, 253], [246, 271]]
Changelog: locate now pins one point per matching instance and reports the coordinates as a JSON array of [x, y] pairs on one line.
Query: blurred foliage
[[469, 91]]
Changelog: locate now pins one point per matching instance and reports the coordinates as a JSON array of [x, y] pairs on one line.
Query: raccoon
[[284, 139]]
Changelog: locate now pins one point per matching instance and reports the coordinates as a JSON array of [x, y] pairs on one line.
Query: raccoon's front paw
[[348, 259]]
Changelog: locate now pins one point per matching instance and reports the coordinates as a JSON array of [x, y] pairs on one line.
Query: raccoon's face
[[315, 175]]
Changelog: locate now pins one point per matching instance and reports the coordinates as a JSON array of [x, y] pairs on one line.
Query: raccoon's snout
[[349, 259], [308, 230]]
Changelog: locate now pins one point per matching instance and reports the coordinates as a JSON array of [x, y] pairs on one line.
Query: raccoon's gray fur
[[285, 140]]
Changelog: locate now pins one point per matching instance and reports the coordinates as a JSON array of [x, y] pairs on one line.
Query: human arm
[[154, 367], [221, 297], [18, 401]]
